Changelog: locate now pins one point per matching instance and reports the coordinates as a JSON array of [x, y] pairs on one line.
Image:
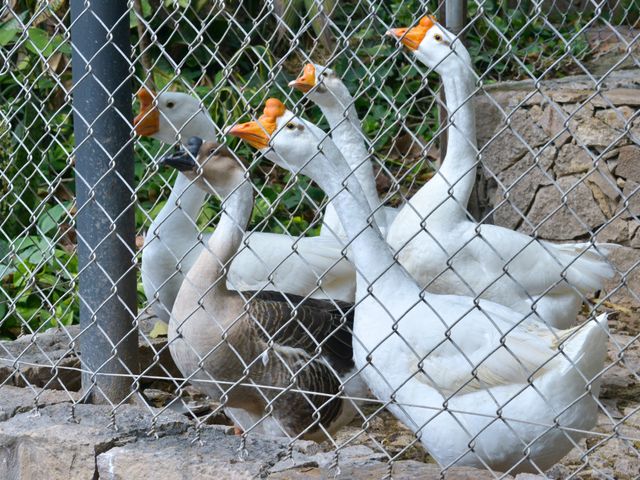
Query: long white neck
[[180, 213], [449, 190], [372, 256], [346, 132], [211, 267]]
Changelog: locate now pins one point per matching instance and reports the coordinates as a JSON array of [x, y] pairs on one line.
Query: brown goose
[[229, 343]]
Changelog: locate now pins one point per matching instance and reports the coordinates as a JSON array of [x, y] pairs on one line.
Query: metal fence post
[[105, 220]]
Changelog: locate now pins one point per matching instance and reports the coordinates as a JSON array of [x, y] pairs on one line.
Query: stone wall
[[562, 161]]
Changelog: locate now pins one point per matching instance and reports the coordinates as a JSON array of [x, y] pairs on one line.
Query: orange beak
[[147, 122], [307, 80], [412, 37], [257, 134], [254, 133]]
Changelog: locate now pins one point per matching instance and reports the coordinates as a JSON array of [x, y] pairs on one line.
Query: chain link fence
[[98, 233]]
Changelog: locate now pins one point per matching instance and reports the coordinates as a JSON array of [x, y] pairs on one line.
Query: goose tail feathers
[[586, 348], [588, 267]]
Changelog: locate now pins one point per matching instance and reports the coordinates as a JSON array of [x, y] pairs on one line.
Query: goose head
[[285, 139], [171, 115], [434, 46], [209, 165], [322, 85]]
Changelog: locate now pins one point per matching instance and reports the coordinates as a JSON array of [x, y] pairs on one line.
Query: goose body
[[326, 89], [447, 363], [447, 252], [225, 341], [302, 266]]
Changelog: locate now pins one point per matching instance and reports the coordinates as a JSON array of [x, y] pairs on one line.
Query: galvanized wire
[[232, 56]]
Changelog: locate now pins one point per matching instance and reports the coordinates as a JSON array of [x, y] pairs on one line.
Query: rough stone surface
[[402, 470], [552, 122], [517, 139], [616, 231], [578, 213], [216, 456], [618, 96], [628, 166], [514, 194], [597, 142], [87, 446], [572, 159], [49, 441], [626, 260], [630, 200], [14, 400]]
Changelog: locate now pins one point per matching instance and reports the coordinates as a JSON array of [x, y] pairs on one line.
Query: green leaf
[[160, 329], [41, 43], [8, 31], [50, 219]]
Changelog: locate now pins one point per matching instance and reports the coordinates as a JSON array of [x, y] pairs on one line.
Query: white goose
[[446, 251], [446, 363], [173, 241], [266, 339], [325, 89]]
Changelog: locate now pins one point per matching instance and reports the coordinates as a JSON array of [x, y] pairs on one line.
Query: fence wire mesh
[[267, 332]]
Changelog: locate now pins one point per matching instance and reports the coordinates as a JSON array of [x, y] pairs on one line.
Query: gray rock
[[216, 456], [488, 115], [46, 360], [65, 449], [634, 233], [617, 118], [628, 165], [14, 400], [627, 261], [572, 159], [518, 186], [568, 95], [510, 145], [618, 96], [50, 359], [617, 230], [604, 189], [552, 122], [577, 215], [401, 470], [629, 203], [594, 132]]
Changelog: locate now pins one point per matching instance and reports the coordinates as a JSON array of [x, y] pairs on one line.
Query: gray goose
[[229, 343]]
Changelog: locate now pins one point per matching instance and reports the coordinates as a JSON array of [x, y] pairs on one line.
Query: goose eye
[[437, 37], [290, 126], [170, 104]]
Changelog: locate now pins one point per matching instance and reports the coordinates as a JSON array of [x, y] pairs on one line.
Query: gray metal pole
[[455, 15], [105, 222]]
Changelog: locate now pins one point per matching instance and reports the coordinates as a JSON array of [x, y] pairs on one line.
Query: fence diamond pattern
[[558, 145]]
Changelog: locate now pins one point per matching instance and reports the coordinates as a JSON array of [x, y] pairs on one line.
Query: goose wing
[[538, 265], [311, 325]]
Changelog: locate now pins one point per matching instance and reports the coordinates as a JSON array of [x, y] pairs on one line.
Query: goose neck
[[346, 132], [182, 207], [212, 265], [371, 254], [459, 165]]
